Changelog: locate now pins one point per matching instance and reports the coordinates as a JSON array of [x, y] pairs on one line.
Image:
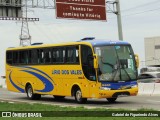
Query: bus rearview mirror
[[95, 61], [137, 60]]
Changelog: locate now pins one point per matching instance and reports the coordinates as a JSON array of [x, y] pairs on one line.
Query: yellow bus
[[88, 68]]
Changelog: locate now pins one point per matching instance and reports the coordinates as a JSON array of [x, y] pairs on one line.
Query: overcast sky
[[140, 19]]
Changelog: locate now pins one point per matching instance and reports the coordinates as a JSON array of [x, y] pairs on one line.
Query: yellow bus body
[[40, 76]]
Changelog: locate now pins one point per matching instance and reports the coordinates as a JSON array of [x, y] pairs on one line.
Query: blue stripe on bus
[[48, 85], [17, 87], [116, 86], [38, 71]]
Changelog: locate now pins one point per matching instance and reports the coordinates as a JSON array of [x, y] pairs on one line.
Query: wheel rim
[[30, 92], [78, 95]]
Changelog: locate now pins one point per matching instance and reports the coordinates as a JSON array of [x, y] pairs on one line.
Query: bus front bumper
[[117, 93]]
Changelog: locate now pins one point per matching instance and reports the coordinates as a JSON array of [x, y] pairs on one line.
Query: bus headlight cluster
[[105, 88]]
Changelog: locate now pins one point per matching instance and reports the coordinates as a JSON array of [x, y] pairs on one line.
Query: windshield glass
[[116, 63]]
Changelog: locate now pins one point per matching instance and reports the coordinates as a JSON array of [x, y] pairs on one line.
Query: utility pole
[[25, 38], [119, 21]]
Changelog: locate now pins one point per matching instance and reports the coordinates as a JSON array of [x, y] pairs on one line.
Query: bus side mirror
[[95, 61], [137, 60]]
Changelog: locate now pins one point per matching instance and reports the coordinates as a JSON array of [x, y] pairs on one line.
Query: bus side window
[[58, 55], [53, 55], [9, 57], [29, 56], [47, 55], [61, 55], [40, 56], [23, 57], [15, 57], [34, 56], [72, 55]]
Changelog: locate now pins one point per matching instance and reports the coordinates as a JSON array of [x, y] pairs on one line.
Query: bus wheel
[[78, 97], [111, 100], [31, 95], [58, 97]]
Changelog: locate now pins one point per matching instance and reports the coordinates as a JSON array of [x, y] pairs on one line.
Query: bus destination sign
[[81, 9]]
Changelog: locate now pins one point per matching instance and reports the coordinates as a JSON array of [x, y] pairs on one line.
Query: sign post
[[119, 21]]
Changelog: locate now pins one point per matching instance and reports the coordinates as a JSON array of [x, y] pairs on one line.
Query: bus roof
[[98, 42], [93, 42]]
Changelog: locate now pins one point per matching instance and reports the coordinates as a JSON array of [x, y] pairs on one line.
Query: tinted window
[[87, 62], [58, 55], [9, 57], [47, 54], [29, 56], [23, 57], [40, 56], [34, 56], [72, 55], [15, 57]]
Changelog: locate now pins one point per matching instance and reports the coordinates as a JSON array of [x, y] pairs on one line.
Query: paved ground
[[132, 103]]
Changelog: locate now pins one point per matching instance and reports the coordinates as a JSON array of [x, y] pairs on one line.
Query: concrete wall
[[149, 89]]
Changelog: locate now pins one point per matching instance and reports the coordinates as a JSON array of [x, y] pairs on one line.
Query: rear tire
[[31, 95], [111, 100], [78, 97]]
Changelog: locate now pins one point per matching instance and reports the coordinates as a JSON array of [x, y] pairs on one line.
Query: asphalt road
[[131, 103]]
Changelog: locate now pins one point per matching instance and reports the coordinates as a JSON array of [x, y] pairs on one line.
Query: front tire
[[111, 100], [31, 95], [78, 97]]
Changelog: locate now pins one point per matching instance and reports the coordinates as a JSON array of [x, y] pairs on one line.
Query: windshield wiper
[[107, 63], [116, 74], [126, 72]]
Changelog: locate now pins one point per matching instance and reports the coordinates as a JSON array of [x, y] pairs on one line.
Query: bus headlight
[[104, 88], [134, 86]]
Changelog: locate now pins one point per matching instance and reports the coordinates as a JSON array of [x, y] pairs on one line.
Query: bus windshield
[[116, 63]]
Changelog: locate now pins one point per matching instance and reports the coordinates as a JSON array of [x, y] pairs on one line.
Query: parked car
[[149, 77]]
